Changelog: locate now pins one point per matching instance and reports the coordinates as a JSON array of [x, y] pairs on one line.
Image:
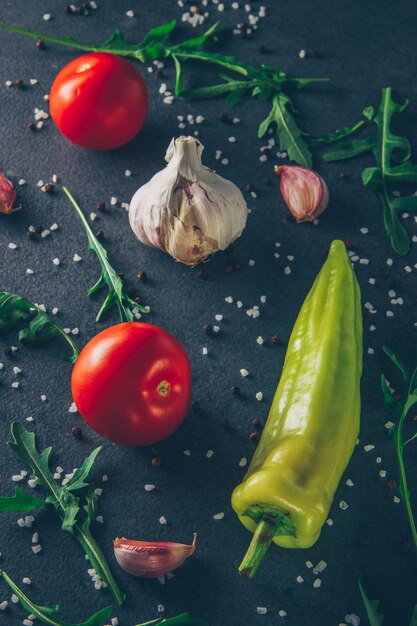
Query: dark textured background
[[363, 46]]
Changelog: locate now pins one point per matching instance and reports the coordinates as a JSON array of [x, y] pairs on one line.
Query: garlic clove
[[304, 191], [7, 195], [187, 209], [151, 559]]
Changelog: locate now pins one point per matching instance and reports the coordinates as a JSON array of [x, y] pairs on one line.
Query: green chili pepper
[[313, 423]]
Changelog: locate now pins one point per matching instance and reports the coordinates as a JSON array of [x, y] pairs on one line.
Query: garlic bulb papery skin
[[304, 191], [187, 209], [151, 559]]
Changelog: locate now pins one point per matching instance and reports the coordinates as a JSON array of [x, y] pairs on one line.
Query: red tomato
[[132, 383], [99, 101]]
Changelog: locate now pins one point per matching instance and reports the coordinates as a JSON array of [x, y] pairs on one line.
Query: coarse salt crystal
[[35, 538], [243, 462], [317, 583], [204, 351], [113, 201], [259, 395], [282, 613], [261, 610], [12, 246], [29, 271], [186, 452], [302, 54], [229, 299], [115, 621], [244, 372], [218, 516], [349, 482], [130, 13], [251, 262], [56, 261], [396, 499], [16, 385], [100, 519], [329, 521], [343, 505], [4, 605], [17, 477], [260, 340], [216, 329], [218, 317], [47, 17], [162, 520], [149, 487], [389, 425], [209, 454], [26, 580], [382, 473], [73, 408], [36, 549]]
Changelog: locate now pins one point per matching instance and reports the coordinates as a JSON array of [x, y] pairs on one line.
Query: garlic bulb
[[187, 209], [304, 191], [151, 559]]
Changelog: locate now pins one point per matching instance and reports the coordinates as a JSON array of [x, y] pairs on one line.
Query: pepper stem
[[261, 540]]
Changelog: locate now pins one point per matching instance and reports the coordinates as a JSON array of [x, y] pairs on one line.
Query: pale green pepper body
[[313, 423]]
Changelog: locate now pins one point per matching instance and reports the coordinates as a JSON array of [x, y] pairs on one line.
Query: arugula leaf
[[47, 613], [403, 407], [109, 276], [75, 518], [180, 620], [290, 137], [371, 606], [41, 327], [397, 363], [386, 147], [388, 397], [324, 140], [82, 473], [21, 501]]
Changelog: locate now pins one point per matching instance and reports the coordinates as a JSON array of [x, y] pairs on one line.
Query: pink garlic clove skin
[[151, 559], [7, 195], [304, 191]]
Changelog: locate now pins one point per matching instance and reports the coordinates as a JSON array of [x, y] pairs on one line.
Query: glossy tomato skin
[[99, 101], [132, 383]]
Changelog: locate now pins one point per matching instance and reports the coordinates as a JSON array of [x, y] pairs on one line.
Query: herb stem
[[400, 445], [98, 561]]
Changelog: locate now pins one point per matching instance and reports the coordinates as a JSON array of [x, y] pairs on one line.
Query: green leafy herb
[[41, 326], [75, 517], [109, 276], [386, 147], [338, 135], [21, 501], [181, 620], [401, 408], [371, 606], [289, 135], [264, 83], [47, 613]]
